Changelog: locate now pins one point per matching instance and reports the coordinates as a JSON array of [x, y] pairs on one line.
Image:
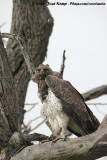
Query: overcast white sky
[[82, 32]]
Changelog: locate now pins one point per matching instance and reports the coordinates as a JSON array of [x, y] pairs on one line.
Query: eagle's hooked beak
[[43, 74]]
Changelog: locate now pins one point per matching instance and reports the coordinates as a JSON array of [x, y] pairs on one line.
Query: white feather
[[52, 109]]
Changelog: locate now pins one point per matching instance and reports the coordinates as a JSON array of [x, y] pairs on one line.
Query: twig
[[34, 120], [30, 104], [33, 105], [22, 44], [38, 125], [63, 64], [102, 104], [97, 103], [30, 109], [27, 128]]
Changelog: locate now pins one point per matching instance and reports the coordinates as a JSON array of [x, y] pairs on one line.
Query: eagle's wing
[[73, 104]]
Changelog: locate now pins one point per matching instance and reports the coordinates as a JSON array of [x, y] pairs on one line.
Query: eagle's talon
[[56, 139], [61, 137], [45, 140], [52, 138]]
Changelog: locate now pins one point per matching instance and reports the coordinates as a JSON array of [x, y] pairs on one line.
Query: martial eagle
[[63, 105]]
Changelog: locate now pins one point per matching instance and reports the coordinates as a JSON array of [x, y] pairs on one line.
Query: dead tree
[[30, 31], [36, 24]]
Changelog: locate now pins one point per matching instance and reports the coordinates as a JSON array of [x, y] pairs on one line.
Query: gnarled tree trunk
[[36, 23]]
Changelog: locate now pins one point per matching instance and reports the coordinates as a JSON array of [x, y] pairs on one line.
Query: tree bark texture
[[8, 99], [87, 147], [36, 23]]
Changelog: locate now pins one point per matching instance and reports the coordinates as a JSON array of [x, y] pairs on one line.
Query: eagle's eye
[[46, 70], [37, 70]]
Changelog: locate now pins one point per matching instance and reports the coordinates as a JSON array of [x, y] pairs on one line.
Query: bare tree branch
[[88, 147], [21, 41], [18, 139], [63, 64], [43, 121], [95, 104], [34, 137], [33, 105], [95, 93], [30, 104], [27, 128], [34, 120]]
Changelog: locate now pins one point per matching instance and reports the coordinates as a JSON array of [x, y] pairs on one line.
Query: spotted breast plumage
[[52, 109], [63, 105]]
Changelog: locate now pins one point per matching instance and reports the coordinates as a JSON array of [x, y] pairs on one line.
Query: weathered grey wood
[[87, 147], [95, 93], [33, 137]]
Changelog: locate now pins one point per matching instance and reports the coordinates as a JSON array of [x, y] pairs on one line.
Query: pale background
[[82, 32]]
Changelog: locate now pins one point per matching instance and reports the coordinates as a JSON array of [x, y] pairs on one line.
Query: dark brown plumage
[[63, 105], [73, 105]]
